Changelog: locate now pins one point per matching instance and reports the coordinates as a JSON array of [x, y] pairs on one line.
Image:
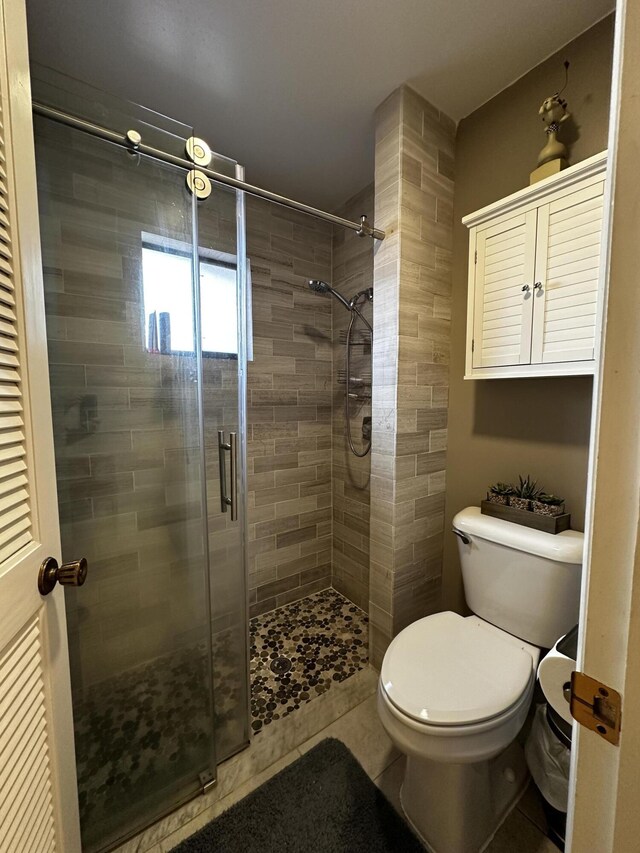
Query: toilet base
[[458, 808]]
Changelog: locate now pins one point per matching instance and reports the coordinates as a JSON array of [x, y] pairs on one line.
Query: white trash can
[[548, 761]]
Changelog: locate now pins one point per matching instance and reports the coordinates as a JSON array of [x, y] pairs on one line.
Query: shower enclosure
[[146, 303], [203, 485]]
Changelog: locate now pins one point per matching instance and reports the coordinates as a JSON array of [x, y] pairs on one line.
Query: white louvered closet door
[[504, 268], [567, 273], [38, 799]]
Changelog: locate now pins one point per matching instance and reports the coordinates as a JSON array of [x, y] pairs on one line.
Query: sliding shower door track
[[132, 140]]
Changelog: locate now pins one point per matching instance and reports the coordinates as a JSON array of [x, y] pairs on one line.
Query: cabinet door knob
[[537, 285], [526, 288]]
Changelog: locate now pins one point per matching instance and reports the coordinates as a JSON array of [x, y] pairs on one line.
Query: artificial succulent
[[528, 489], [550, 500], [503, 489]]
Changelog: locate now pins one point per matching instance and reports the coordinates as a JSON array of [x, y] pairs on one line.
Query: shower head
[[318, 286], [323, 287]]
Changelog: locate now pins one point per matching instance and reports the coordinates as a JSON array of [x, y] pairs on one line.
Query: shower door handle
[[233, 450], [232, 447]]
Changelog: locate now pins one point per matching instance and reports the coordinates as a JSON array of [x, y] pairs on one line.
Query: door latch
[[596, 706]]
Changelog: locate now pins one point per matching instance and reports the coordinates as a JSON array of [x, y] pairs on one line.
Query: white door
[[565, 295], [604, 814], [38, 799], [504, 269]]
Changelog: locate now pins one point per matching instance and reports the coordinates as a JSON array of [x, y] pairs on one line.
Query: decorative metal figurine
[[553, 113]]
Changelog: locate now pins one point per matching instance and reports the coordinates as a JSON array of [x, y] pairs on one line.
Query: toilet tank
[[524, 581]]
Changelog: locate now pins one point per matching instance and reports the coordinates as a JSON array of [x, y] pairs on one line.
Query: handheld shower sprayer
[[318, 286], [323, 287]]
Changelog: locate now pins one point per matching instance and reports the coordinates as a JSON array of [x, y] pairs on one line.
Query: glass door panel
[[126, 382], [224, 296]]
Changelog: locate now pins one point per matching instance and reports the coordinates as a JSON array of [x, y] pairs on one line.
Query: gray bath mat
[[322, 803]]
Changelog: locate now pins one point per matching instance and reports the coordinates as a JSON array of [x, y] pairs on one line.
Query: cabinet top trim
[[574, 174]]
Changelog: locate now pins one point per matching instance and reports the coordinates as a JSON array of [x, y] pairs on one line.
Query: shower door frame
[[244, 328]]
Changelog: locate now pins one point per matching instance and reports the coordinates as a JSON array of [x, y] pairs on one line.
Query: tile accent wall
[[128, 448], [412, 272], [141, 480], [289, 407], [139, 473], [352, 271]]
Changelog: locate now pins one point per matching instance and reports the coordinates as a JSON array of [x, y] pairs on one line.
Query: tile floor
[[361, 730], [314, 644], [300, 650], [133, 732], [140, 732], [152, 724], [330, 631], [248, 769]]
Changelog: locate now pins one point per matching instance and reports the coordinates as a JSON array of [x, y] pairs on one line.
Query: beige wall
[[500, 428]]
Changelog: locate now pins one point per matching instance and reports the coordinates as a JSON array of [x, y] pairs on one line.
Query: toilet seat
[[448, 672]]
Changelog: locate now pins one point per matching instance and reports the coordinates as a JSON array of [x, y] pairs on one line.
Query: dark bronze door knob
[[68, 574]]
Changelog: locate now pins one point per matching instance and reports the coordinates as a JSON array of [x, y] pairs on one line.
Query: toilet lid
[[447, 670]]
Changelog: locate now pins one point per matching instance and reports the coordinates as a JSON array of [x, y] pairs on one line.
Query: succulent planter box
[[541, 508], [520, 503], [527, 518], [498, 499]]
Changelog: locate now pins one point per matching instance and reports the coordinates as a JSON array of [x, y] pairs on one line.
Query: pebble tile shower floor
[[153, 719], [300, 650]]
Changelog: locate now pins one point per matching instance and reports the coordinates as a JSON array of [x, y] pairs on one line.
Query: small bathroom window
[[168, 300]]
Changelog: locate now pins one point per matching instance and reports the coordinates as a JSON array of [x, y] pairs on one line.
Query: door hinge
[[596, 706], [475, 257], [473, 345]]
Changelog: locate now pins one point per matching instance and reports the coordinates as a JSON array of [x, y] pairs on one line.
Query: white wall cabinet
[[534, 277]]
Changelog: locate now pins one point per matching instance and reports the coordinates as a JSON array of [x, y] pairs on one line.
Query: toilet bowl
[[454, 692]]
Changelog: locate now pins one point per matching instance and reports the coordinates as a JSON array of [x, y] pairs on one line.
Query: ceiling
[[289, 87]]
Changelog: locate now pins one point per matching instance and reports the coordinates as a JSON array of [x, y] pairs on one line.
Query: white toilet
[[454, 692]]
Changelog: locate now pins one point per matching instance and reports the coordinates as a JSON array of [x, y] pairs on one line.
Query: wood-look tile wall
[[134, 483], [352, 272], [289, 407], [132, 489], [129, 449], [412, 272], [128, 445]]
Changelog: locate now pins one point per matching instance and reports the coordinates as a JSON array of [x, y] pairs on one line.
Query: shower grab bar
[[232, 447], [133, 140]]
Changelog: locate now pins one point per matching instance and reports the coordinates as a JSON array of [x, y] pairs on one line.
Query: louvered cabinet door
[[504, 268], [567, 276], [38, 798]]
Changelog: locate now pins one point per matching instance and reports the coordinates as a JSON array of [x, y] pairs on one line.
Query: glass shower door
[[224, 286], [135, 404]]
